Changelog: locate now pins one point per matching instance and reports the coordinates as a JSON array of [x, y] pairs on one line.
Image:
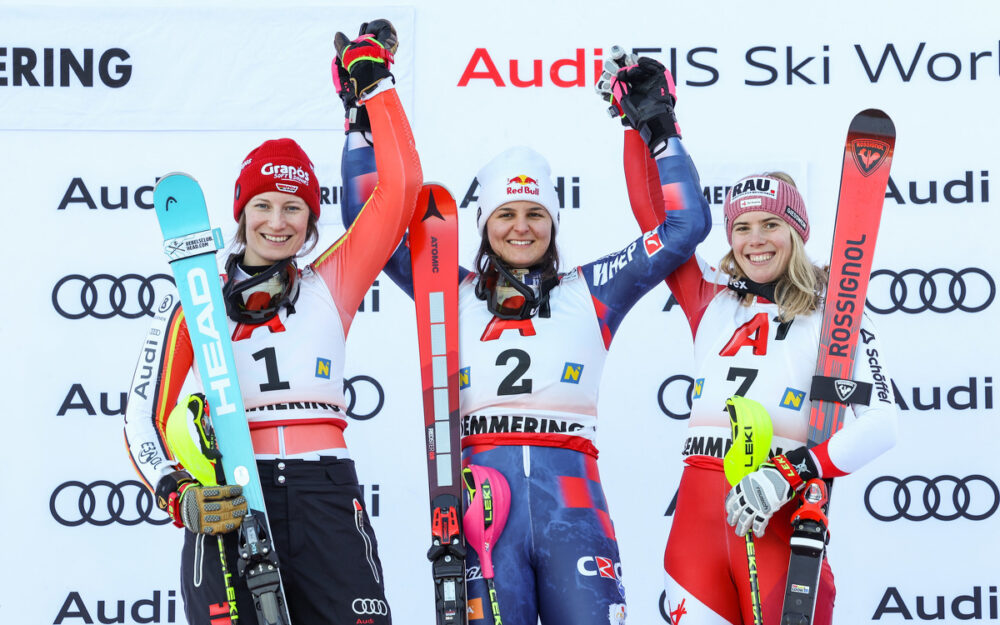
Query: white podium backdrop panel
[[97, 100]]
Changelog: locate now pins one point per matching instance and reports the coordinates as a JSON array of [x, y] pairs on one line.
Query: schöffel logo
[[938, 290], [103, 503], [49, 67], [944, 498], [869, 154], [104, 296]]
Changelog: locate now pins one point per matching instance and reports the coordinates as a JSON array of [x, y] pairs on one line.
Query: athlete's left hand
[[610, 88], [755, 498]]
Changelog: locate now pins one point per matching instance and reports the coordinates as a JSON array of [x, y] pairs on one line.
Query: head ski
[[190, 244]]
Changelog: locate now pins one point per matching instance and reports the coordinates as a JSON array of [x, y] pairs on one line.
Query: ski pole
[[204, 465], [751, 434], [485, 518]]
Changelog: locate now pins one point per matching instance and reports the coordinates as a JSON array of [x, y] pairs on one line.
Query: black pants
[[329, 557]]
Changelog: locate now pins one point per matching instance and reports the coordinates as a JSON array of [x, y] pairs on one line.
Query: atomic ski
[[190, 244], [434, 258], [871, 139]]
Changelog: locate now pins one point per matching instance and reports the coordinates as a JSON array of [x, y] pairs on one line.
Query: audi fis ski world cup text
[[755, 66]]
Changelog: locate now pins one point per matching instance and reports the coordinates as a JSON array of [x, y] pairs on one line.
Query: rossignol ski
[[190, 244], [871, 139], [434, 258]]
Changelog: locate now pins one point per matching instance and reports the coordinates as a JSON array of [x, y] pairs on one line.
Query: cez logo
[[594, 566], [25, 65]]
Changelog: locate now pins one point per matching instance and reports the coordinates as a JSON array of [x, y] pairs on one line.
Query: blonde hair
[[799, 290]]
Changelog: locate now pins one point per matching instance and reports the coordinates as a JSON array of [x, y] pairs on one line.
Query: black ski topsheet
[[871, 139]]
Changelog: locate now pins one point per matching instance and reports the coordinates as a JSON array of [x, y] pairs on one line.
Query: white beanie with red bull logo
[[518, 173]]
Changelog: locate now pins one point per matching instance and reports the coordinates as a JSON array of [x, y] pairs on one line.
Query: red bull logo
[[522, 185]]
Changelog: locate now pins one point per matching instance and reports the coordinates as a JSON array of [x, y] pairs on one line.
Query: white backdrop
[[97, 99]]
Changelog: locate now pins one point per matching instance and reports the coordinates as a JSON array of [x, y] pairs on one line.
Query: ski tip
[[435, 186], [873, 121], [173, 176]]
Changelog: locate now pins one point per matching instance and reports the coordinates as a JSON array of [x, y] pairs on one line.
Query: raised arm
[[352, 263]]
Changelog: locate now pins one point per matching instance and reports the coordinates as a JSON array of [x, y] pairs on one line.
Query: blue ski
[[190, 244]]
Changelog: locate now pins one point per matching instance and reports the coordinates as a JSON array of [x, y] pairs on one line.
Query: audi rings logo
[[945, 498], [374, 607], [104, 296], [674, 396], [938, 290], [103, 503], [364, 396]]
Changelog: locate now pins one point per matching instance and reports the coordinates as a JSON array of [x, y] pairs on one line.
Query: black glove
[[365, 61], [648, 101], [201, 509]]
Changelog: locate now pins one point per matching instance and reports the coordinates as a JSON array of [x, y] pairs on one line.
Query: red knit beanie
[[276, 165], [768, 194]]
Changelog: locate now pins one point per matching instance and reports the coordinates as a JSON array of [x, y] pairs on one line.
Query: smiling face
[[519, 233], [762, 245], [276, 227]]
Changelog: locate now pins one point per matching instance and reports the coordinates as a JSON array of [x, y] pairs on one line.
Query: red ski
[[434, 258], [871, 139]]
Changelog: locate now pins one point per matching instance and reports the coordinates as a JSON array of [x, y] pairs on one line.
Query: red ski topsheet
[[867, 159], [434, 257]]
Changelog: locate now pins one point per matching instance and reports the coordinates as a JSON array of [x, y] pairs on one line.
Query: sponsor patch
[[796, 217], [651, 242], [696, 389], [323, 368], [792, 398], [616, 614], [475, 609], [286, 188], [754, 201], [463, 378], [757, 185], [571, 373]]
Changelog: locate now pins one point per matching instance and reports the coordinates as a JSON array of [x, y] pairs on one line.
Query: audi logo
[[938, 290], [945, 498], [375, 607], [364, 396], [674, 396], [103, 503], [104, 296]]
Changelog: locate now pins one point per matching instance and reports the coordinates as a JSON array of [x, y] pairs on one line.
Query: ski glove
[[367, 59], [609, 87], [751, 503], [645, 93], [201, 509], [355, 114]]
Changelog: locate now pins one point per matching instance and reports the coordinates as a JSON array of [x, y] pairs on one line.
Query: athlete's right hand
[[199, 508], [365, 60]]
